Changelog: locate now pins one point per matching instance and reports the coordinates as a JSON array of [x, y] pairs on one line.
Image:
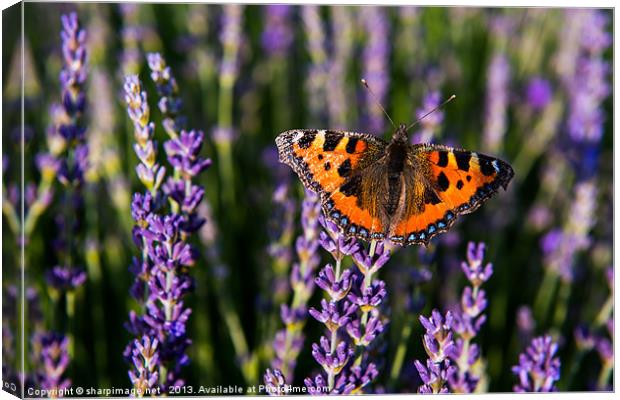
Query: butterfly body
[[378, 190]]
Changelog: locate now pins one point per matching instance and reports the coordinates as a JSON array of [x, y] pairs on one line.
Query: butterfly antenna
[[365, 83], [431, 111]]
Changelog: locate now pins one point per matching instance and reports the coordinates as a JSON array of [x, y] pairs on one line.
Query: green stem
[[93, 265], [605, 313], [70, 308], [574, 367], [401, 350], [331, 376], [603, 377], [367, 283], [11, 216], [562, 303], [39, 206], [545, 293], [224, 146]]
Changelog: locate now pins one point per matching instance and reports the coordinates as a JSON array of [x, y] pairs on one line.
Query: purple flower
[[356, 379], [316, 80], [169, 101], [332, 360], [65, 278], [73, 75], [538, 93], [468, 320], [434, 376], [162, 277], [333, 314], [145, 358], [364, 335], [437, 340], [317, 385], [369, 297], [337, 289], [342, 313], [525, 322], [150, 173], [375, 61], [473, 270], [53, 361], [343, 32], [231, 38], [275, 384], [589, 85], [538, 369], [431, 123], [289, 341], [370, 265], [496, 101], [183, 153], [277, 35], [73, 164], [561, 245]]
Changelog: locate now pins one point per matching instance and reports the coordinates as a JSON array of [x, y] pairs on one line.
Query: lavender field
[[166, 250]]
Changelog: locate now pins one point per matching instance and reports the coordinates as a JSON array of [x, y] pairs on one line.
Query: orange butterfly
[[376, 190]]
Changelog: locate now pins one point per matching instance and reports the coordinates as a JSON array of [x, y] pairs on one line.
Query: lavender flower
[[149, 172], [289, 341], [64, 278], [333, 354], [53, 361], [376, 56], [72, 79], [353, 308], [223, 136], [429, 126], [281, 232], [162, 278], [275, 384], [439, 344], [589, 87], [468, 321], [560, 246], [145, 358], [277, 36], [343, 26], [538, 93], [434, 376], [169, 103], [538, 369], [496, 101], [231, 38], [317, 78]]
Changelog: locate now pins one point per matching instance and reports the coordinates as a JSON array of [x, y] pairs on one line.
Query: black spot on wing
[[443, 182], [331, 140], [306, 140], [350, 148], [462, 160], [459, 185], [486, 165], [327, 166], [430, 197], [468, 178], [320, 157], [443, 159], [352, 187], [345, 168]]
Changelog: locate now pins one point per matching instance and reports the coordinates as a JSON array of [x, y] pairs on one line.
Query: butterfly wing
[[442, 183], [344, 169]]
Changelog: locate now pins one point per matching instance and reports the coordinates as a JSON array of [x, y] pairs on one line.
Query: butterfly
[[396, 191]]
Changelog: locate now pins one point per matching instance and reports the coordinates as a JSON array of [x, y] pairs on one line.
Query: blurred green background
[[448, 50]]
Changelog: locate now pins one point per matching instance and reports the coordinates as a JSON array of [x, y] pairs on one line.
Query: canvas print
[[280, 199]]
